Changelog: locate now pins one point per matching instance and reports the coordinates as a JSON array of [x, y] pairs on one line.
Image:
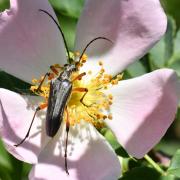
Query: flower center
[[88, 100]]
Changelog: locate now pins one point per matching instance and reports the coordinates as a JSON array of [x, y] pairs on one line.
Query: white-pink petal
[[30, 40], [143, 109], [16, 113], [134, 26], [90, 157]]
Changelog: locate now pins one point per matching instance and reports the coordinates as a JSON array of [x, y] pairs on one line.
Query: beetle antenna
[[91, 43], [67, 50]]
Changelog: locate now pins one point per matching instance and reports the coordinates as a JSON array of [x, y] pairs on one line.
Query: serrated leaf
[[175, 164]]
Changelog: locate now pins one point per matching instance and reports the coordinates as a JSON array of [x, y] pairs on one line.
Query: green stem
[[154, 164]]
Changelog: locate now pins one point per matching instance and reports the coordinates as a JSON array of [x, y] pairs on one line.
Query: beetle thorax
[[68, 69]]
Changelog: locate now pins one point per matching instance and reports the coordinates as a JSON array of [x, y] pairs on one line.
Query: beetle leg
[[81, 100], [37, 109], [39, 87], [79, 89], [85, 90], [54, 68], [79, 76], [49, 75], [67, 133]]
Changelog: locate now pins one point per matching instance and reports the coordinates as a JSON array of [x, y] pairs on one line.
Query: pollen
[[77, 53], [88, 100], [89, 72], [84, 58], [100, 63], [110, 96], [110, 116]]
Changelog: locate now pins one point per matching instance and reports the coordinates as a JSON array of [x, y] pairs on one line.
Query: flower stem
[[154, 164]]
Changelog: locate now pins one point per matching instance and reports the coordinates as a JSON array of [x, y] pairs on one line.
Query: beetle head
[[70, 68]]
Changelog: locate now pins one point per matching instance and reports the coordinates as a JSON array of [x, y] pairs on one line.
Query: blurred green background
[[165, 54]]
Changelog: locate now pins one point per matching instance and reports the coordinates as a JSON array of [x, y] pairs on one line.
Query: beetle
[[59, 94], [60, 91]]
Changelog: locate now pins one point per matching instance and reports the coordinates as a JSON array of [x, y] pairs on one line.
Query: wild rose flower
[[142, 108]]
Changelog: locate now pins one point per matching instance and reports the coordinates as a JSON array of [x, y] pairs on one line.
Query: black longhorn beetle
[[60, 91]]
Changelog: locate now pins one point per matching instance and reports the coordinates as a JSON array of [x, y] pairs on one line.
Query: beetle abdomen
[[59, 94]]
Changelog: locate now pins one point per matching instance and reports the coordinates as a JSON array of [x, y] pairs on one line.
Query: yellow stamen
[[100, 63], [110, 116], [77, 53], [93, 105]]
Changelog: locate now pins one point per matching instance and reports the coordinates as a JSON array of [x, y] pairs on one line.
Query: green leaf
[[161, 53], [10, 82], [141, 173], [4, 175], [177, 44], [157, 54], [175, 59], [168, 177], [26, 169], [175, 165], [172, 8], [168, 146], [136, 69], [4, 4], [68, 26], [17, 167], [175, 64], [114, 143], [5, 161], [145, 173], [169, 38], [111, 139], [121, 152], [71, 8]]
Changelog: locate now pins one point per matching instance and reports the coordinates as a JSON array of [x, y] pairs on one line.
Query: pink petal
[[16, 113], [143, 109], [134, 26], [30, 40], [89, 157]]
